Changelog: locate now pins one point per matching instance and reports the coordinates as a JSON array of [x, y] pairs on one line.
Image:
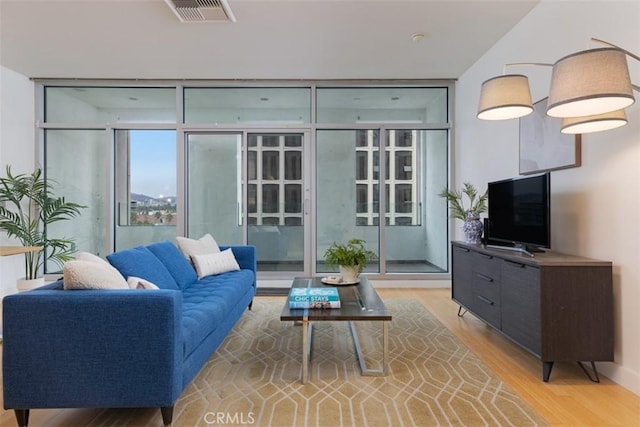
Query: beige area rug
[[254, 379], [434, 380]]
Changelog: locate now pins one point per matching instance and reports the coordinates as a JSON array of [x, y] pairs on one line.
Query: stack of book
[[314, 297]]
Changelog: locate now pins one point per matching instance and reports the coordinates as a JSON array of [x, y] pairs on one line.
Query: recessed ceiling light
[[264, 99], [416, 37], [395, 98]]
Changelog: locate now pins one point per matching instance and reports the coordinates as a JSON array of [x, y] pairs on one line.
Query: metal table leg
[[307, 334], [385, 351]]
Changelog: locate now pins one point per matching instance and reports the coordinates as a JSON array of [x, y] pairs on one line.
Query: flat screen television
[[519, 213]]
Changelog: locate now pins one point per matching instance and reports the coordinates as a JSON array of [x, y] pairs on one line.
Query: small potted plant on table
[[351, 258]]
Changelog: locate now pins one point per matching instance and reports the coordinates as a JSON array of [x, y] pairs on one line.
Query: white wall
[[16, 149], [593, 206]]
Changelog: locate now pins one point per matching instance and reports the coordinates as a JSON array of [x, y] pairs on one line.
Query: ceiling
[[272, 39]]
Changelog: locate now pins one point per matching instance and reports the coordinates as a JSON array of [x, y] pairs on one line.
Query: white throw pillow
[[217, 263], [88, 256], [138, 283], [77, 274], [202, 246]]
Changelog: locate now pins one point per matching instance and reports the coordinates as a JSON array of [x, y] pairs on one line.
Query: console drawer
[[487, 265], [487, 309], [486, 286]]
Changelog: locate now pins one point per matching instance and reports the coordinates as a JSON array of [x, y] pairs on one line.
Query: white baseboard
[[445, 283], [619, 374]]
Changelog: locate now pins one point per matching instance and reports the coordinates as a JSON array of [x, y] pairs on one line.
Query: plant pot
[[349, 274], [27, 284]]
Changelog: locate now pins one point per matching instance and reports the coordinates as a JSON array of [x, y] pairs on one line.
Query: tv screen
[[519, 211]]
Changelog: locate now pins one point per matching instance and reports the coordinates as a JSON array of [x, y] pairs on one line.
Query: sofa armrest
[[245, 255], [92, 348]]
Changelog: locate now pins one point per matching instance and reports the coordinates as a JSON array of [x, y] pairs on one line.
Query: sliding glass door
[[270, 208], [214, 186]]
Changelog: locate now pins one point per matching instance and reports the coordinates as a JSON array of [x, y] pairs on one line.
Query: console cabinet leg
[[546, 371], [595, 378]]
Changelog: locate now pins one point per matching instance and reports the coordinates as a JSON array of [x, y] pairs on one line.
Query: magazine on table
[[314, 297]]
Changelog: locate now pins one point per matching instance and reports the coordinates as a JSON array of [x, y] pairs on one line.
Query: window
[[275, 179], [145, 186], [78, 104], [248, 105], [401, 185], [418, 105], [242, 166], [80, 182]]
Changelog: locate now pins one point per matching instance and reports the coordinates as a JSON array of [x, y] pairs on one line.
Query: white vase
[[27, 284], [349, 274]]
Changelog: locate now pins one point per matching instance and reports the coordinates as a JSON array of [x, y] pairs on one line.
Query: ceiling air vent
[[202, 10]]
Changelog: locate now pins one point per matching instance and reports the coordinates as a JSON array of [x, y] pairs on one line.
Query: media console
[[558, 307]]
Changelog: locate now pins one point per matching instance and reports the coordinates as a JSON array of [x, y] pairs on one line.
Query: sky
[[153, 162]]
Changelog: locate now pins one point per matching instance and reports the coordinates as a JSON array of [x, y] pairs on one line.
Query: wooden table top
[[357, 302], [15, 250]]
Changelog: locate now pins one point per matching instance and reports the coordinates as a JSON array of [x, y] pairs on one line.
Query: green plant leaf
[[29, 206], [458, 209]]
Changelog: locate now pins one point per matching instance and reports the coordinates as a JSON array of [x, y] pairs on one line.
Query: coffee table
[[358, 302]]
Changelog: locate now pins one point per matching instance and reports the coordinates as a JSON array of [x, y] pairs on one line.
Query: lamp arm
[[634, 56]]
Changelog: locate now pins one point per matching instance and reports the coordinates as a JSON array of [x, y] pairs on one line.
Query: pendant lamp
[[590, 82], [595, 123], [505, 97]]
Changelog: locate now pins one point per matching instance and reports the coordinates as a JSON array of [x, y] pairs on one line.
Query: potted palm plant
[[351, 258], [27, 207], [470, 212]]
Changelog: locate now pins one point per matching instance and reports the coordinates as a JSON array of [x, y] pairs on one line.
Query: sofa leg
[[250, 304], [167, 415], [22, 416]]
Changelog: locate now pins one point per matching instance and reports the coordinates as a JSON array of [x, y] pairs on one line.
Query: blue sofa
[[121, 348]]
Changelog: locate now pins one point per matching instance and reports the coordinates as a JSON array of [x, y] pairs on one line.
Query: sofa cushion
[[217, 263], [208, 301], [141, 262], [204, 245], [79, 274], [169, 254]]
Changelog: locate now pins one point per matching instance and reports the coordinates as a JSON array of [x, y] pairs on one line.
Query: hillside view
[[147, 210]]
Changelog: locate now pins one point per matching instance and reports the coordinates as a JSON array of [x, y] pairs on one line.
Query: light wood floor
[[568, 399]]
